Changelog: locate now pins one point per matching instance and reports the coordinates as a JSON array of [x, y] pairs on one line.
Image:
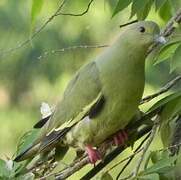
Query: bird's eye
[[142, 29]]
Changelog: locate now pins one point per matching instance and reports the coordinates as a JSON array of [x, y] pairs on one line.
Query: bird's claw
[[120, 138], [93, 154]]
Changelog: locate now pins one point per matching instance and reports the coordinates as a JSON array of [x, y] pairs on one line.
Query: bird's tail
[[28, 153], [46, 144]]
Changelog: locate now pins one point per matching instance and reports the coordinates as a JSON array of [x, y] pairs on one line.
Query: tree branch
[[170, 25], [147, 145], [137, 150], [169, 28], [79, 14], [71, 48], [113, 155], [164, 89]]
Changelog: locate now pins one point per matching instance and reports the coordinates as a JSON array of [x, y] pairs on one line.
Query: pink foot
[[93, 154], [120, 138]]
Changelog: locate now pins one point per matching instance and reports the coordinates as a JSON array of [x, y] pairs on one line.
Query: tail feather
[[53, 138], [47, 143], [28, 153]]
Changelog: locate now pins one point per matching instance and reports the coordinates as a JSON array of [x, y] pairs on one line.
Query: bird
[[101, 98]]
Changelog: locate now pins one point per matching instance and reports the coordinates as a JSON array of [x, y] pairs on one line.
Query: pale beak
[[160, 39]]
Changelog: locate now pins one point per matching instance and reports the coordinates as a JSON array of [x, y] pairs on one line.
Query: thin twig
[[36, 32], [147, 145], [127, 158], [111, 156], [66, 173], [145, 148], [164, 89], [57, 13], [79, 14], [71, 48], [138, 149]]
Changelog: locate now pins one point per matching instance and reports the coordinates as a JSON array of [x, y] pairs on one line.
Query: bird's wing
[[82, 97]]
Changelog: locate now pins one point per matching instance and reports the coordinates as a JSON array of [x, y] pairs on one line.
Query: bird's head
[[143, 34]]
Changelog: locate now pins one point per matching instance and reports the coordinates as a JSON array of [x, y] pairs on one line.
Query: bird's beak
[[160, 39]]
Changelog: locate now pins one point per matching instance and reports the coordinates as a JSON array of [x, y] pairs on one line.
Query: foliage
[[36, 8], [26, 72], [142, 8]]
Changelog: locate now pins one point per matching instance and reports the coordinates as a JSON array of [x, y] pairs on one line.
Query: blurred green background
[[26, 81]]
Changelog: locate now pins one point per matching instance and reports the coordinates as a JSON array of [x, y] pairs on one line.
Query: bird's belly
[[94, 131], [120, 106]]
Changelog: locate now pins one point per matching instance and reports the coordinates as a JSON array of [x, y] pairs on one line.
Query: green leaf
[[155, 156], [165, 132], [28, 176], [140, 8], [165, 11], [4, 172], [164, 101], [141, 15], [176, 59], [169, 111], [122, 4], [162, 166], [159, 4], [176, 4], [166, 51], [172, 108], [153, 176], [35, 10], [104, 176], [26, 140]]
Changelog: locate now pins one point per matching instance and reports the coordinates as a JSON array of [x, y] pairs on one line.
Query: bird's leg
[[93, 154], [120, 138]]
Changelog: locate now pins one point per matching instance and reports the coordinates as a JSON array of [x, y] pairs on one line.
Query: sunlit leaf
[[176, 59], [165, 11], [165, 132], [171, 109], [164, 101], [155, 156], [104, 176], [166, 51], [161, 166], [159, 4], [121, 5], [153, 176], [141, 15], [4, 172], [36, 9], [138, 7]]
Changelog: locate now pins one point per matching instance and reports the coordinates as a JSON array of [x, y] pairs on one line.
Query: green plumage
[[104, 95]]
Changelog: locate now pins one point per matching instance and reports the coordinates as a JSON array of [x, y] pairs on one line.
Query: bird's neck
[[123, 58]]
